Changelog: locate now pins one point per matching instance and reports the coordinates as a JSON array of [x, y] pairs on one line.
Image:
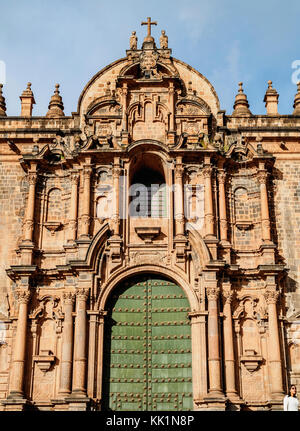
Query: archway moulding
[[176, 276]]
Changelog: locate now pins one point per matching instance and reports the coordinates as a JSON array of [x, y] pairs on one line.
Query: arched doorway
[[147, 362]]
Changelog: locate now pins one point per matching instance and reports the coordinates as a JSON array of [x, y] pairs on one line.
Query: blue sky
[[68, 41]]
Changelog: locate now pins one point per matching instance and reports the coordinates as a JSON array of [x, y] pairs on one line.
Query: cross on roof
[[149, 23]]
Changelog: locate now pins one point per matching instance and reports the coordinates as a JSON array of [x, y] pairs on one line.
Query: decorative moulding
[[244, 225], [45, 360], [52, 226], [251, 360], [147, 233]]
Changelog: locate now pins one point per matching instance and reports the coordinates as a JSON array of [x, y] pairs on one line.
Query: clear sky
[[68, 41]]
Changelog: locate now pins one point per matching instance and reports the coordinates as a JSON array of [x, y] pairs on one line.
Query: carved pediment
[[104, 106], [186, 108]]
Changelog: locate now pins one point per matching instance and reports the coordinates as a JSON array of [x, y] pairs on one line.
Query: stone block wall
[[287, 225]]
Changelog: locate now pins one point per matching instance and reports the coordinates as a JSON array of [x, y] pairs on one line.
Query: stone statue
[[133, 41], [163, 40]]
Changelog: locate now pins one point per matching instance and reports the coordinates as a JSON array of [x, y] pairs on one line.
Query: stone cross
[[149, 23]]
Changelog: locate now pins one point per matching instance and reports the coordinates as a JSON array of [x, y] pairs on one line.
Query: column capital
[[228, 296], [74, 177], [206, 171], [179, 170], [222, 176], [87, 171], [271, 296], [32, 178], [116, 171], [69, 297], [212, 292], [262, 176], [82, 294], [102, 314], [23, 296]]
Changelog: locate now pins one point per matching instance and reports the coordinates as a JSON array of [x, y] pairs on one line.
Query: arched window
[[148, 197]]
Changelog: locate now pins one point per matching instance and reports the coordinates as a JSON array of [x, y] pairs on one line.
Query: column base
[[78, 402], [276, 402], [214, 403], [14, 404]]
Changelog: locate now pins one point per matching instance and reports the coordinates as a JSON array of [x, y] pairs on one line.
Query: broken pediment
[[104, 106], [186, 107]]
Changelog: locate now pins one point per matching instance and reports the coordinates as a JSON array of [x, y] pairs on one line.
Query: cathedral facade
[[150, 253]]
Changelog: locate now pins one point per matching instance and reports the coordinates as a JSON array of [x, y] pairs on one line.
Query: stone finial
[[163, 40], [2, 103], [133, 40], [241, 105], [271, 100], [56, 107], [27, 101], [297, 101]]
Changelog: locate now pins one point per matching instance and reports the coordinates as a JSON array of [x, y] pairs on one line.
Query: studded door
[[147, 348]]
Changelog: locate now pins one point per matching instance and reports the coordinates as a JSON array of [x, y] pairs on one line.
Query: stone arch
[[123, 274]]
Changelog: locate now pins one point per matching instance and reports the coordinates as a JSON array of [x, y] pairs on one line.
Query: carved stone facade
[[222, 223]]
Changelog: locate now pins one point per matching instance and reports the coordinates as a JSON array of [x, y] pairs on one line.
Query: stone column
[[29, 215], [214, 360], [18, 362], [231, 391], [208, 201], [67, 346], [102, 315], [116, 171], [92, 352], [198, 357], [222, 205], [73, 206], [124, 92], [178, 201], [79, 363], [271, 296], [265, 218], [86, 196], [171, 105]]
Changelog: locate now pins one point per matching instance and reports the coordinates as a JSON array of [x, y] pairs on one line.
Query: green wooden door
[[147, 362]]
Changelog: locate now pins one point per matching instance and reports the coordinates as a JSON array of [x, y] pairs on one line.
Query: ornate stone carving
[[262, 177], [228, 295], [157, 258], [82, 294], [207, 171], [271, 296], [74, 177], [87, 171], [116, 171], [32, 178], [69, 298], [222, 176], [179, 171], [148, 62], [212, 292], [23, 296]]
